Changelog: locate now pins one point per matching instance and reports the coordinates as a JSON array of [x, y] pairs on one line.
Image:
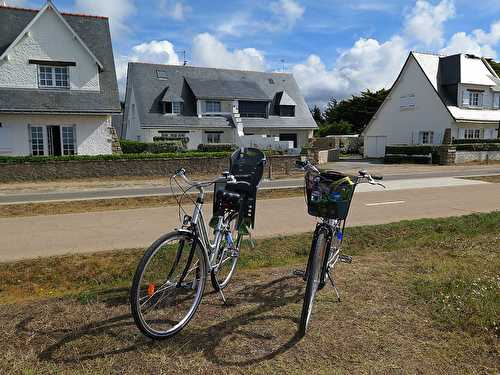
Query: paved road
[[106, 193], [54, 235]]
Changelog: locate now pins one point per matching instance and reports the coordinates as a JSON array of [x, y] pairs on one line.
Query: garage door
[[375, 146]]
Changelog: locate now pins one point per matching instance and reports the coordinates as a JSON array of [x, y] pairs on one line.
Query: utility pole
[[283, 62], [184, 61]]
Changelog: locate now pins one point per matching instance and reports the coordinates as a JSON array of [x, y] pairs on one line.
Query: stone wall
[[46, 171], [462, 157]]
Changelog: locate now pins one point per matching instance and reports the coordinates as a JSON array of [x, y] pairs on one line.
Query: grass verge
[[96, 205], [493, 179]]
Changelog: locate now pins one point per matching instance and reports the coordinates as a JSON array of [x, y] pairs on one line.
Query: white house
[[437, 98], [207, 105], [58, 86]]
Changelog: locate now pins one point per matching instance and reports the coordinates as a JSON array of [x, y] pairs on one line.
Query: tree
[[495, 65], [336, 128], [317, 115], [358, 110]]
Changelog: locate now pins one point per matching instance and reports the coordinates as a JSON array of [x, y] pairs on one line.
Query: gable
[[427, 111]]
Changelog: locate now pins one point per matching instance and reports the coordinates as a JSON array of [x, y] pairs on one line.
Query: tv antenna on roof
[[283, 62], [184, 61]]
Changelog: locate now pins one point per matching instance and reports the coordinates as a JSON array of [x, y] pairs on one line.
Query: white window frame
[[211, 106], [472, 133], [176, 108], [427, 137], [66, 147], [475, 99], [50, 73], [213, 137], [37, 143], [173, 134]]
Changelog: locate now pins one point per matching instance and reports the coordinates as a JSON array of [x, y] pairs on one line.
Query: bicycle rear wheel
[[168, 285], [313, 273]]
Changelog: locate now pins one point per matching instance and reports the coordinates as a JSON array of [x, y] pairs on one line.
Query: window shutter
[[461, 133], [465, 98], [74, 139], [480, 101], [30, 147], [496, 101]]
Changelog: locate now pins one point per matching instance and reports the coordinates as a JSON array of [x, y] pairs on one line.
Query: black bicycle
[[328, 196]]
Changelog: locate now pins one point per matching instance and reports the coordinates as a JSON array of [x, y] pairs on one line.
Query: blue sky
[[334, 48]]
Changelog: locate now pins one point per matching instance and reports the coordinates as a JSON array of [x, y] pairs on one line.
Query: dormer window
[[53, 77], [173, 108], [473, 98]]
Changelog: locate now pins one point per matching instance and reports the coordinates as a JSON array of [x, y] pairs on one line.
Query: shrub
[[478, 147], [216, 147], [133, 147], [470, 141], [142, 156], [410, 150], [399, 158], [336, 128]]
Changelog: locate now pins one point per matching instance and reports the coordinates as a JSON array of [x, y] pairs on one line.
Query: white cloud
[[235, 25], [424, 23], [368, 64], [174, 9], [463, 43], [156, 52], [492, 37], [288, 10], [210, 52], [118, 12], [15, 3]]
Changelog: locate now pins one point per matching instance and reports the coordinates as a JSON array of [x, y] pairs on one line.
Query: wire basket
[[329, 195]]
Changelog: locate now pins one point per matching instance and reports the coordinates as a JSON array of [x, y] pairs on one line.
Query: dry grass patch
[[394, 317], [493, 179]]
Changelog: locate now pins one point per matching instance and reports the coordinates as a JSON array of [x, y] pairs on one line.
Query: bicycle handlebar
[[226, 177]]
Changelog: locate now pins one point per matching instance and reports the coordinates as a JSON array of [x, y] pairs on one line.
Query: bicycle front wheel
[[168, 285], [314, 269]]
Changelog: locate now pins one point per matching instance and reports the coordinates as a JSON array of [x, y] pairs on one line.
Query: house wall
[[402, 126], [488, 131], [92, 132], [488, 94], [48, 39], [302, 135]]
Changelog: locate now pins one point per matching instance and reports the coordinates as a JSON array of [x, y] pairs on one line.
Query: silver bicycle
[[170, 279]]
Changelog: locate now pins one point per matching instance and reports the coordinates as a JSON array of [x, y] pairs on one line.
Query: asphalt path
[[31, 237], [129, 192]]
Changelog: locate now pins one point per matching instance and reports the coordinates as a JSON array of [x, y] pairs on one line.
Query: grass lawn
[[420, 297], [494, 179]]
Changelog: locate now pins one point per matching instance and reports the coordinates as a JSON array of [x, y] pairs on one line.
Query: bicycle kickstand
[[221, 293], [334, 286]]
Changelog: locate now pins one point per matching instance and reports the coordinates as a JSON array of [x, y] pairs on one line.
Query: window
[[161, 74], [407, 102], [36, 134], [474, 98], [472, 133], [177, 108], [212, 106], [68, 140], [426, 138], [287, 111], [53, 76], [213, 137]]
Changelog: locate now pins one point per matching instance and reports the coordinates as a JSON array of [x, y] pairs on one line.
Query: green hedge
[[398, 159], [478, 147], [142, 156], [216, 147], [134, 147], [411, 150], [471, 141]]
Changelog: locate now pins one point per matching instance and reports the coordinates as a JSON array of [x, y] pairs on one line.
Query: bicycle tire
[[200, 270], [314, 270], [217, 283]]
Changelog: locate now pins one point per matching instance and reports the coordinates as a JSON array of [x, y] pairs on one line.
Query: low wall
[[327, 156], [462, 157], [57, 170]]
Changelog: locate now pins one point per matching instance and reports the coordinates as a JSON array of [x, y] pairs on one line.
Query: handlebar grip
[[180, 171], [378, 178]]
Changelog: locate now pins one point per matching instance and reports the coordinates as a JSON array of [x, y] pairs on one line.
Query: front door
[[54, 140], [289, 137]]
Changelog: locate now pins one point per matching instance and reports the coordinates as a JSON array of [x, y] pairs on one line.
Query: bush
[[216, 147], [336, 128], [470, 141], [410, 150], [399, 158], [134, 147], [141, 156], [478, 147]]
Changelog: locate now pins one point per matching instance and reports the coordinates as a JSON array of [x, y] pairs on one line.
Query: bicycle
[[170, 279], [328, 196]]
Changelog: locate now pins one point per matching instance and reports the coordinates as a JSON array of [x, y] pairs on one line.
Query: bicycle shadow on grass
[[253, 331]]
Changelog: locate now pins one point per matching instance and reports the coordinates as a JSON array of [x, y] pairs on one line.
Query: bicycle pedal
[[299, 273], [345, 259]]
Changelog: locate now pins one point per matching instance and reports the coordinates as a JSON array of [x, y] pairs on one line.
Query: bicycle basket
[[329, 195]]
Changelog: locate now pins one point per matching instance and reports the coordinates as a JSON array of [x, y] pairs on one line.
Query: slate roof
[[94, 31], [191, 82], [445, 73]]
